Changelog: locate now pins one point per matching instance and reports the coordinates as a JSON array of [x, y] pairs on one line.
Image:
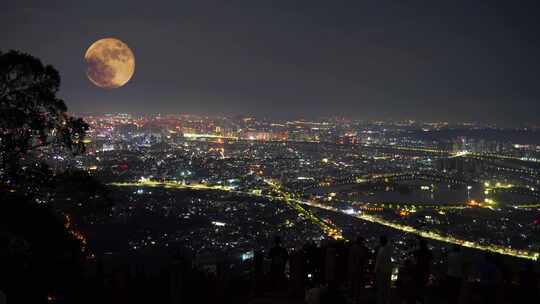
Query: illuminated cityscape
[[465, 190], [269, 152]]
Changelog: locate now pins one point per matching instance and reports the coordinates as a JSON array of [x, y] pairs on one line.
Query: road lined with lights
[[433, 235], [452, 154], [327, 228]]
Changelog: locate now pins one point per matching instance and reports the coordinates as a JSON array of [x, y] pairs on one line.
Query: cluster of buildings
[[242, 180]]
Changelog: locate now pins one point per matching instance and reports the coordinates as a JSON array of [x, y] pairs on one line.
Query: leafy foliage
[[41, 250], [31, 115]]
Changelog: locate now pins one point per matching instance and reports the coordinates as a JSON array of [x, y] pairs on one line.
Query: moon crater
[[110, 63]]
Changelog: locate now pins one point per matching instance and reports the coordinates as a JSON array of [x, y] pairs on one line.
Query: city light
[[334, 232]]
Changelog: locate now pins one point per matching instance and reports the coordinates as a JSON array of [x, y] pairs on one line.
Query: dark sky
[[429, 60]]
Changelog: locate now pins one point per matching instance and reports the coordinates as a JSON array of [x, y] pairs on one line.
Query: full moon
[[109, 63]]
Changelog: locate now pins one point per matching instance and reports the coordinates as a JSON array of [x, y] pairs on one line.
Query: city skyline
[[300, 152], [441, 123]]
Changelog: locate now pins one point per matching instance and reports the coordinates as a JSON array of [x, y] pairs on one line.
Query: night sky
[[429, 60]]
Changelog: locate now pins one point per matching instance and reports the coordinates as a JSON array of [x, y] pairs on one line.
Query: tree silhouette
[[41, 251], [31, 115]]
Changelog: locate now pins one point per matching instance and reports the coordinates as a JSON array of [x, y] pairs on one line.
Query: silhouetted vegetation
[[41, 250], [39, 256], [31, 115]]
